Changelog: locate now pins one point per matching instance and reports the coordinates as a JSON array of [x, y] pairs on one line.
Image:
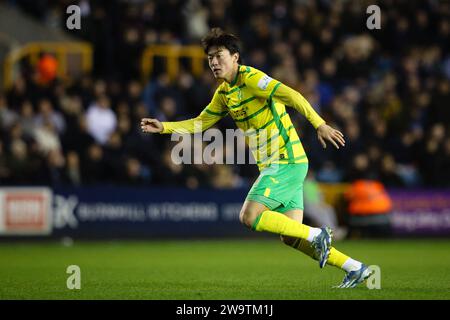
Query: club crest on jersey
[[264, 82], [239, 94]]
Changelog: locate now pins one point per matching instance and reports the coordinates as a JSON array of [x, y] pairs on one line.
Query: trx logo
[[264, 82]]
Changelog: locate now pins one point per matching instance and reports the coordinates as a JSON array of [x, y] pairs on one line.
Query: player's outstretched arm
[[265, 87], [203, 121], [325, 132], [212, 113]]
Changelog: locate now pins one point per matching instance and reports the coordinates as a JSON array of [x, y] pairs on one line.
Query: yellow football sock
[[336, 257], [276, 222]]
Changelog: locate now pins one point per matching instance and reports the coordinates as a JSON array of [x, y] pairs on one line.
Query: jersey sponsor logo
[[264, 82], [240, 113]]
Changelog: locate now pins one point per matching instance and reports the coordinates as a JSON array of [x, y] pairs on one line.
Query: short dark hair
[[217, 37]]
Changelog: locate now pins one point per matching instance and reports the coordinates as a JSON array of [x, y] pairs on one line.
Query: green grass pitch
[[218, 269]]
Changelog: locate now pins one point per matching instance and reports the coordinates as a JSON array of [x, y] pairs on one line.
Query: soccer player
[[256, 102]]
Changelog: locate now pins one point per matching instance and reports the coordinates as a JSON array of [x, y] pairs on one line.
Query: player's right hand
[[151, 125], [325, 132]]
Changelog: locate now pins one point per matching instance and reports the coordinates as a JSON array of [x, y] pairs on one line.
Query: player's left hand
[[327, 133]]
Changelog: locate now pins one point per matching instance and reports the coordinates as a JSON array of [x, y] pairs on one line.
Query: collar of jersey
[[236, 78]]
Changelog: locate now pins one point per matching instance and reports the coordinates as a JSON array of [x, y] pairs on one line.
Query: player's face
[[221, 62]]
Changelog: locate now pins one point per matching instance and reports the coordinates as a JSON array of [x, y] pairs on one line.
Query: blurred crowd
[[388, 90]]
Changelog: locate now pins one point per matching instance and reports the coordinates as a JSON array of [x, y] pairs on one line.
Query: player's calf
[[290, 241], [299, 244]]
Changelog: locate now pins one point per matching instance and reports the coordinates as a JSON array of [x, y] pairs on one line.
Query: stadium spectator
[[7, 116], [101, 120], [48, 114], [72, 172], [94, 167], [134, 173]]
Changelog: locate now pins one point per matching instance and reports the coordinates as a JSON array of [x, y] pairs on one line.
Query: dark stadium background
[[65, 181]]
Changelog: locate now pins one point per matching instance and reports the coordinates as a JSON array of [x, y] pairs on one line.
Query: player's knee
[[248, 217]]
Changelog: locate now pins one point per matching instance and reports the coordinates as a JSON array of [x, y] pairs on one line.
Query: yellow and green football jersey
[[257, 104]]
